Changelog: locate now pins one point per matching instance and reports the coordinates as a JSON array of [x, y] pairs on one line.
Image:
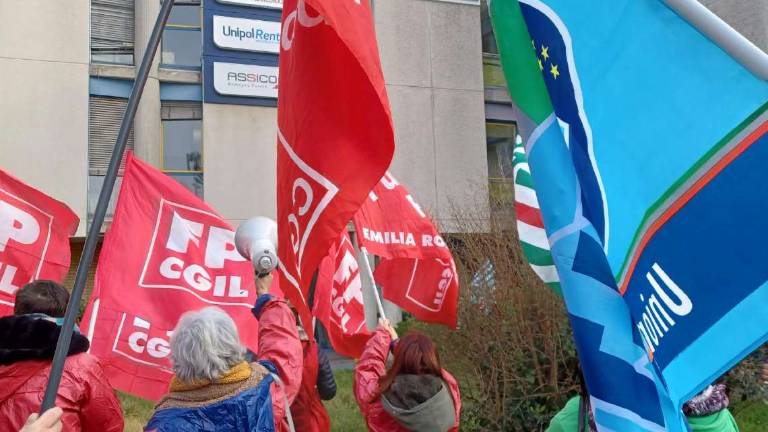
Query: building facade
[[67, 84]]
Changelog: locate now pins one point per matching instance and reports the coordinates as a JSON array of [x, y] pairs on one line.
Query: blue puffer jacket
[[247, 403], [250, 410]]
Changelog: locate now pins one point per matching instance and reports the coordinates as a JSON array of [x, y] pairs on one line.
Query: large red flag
[[417, 271], [339, 299], [335, 135], [34, 238], [167, 252]]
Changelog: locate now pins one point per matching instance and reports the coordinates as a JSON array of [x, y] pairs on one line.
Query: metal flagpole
[[65, 337], [367, 263]]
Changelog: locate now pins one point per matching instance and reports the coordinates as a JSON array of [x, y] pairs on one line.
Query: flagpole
[[367, 263], [91, 240]]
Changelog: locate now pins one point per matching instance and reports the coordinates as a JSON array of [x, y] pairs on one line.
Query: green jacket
[[721, 421], [567, 420]]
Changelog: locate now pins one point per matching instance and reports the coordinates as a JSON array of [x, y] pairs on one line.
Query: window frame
[[185, 27], [196, 116], [516, 132]]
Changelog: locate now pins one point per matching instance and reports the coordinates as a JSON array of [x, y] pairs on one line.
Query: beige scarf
[[241, 377]]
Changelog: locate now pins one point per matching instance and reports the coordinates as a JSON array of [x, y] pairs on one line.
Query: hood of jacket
[[420, 403], [33, 337]]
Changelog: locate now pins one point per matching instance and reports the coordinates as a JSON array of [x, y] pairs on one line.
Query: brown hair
[[42, 296], [415, 354]]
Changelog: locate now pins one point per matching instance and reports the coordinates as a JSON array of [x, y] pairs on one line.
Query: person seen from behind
[[215, 388], [317, 384], [414, 394], [27, 344], [706, 412]]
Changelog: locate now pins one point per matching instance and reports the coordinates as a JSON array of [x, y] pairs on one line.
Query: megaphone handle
[[367, 263]]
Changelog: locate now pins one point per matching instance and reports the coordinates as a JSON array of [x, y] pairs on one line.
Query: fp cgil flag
[[339, 299], [34, 238], [417, 271], [166, 253], [335, 136]]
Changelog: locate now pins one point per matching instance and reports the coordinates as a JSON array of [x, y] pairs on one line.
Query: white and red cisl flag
[[167, 252], [339, 299], [417, 271], [335, 135], [34, 238]]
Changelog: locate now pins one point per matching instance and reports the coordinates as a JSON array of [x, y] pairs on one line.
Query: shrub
[[513, 353]]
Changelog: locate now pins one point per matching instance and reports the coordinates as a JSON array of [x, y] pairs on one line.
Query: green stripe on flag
[[537, 256], [523, 178], [555, 287], [518, 59]]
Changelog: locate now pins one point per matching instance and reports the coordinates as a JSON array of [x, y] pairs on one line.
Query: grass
[[343, 411], [751, 416], [136, 412]]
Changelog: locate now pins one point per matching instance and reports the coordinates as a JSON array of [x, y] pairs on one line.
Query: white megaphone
[[256, 240]]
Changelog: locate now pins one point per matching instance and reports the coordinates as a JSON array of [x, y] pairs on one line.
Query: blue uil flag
[[647, 145]]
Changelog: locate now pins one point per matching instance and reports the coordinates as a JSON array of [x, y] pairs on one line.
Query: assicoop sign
[[232, 79], [275, 4]]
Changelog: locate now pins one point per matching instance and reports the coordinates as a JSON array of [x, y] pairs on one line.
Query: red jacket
[[88, 401], [369, 369], [309, 414], [279, 343]]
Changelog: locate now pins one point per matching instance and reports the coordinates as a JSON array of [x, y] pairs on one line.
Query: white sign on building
[[246, 34], [233, 79], [275, 4]]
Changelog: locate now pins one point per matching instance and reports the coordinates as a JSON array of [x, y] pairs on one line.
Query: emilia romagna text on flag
[[648, 148]]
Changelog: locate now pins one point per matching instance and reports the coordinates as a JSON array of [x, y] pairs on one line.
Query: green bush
[[745, 381], [512, 353]]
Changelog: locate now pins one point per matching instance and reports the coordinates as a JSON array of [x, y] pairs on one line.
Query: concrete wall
[[240, 151], [44, 55], [749, 17], [432, 60]]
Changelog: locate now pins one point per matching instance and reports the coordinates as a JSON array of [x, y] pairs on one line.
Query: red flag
[[34, 238], [417, 272], [335, 135], [339, 299], [167, 252], [391, 224], [428, 288]]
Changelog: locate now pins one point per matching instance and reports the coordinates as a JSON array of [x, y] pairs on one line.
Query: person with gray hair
[[215, 388]]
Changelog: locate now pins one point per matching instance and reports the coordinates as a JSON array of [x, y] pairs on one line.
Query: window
[[501, 144], [500, 148], [489, 40], [112, 31], [104, 117], [182, 39], [183, 144]]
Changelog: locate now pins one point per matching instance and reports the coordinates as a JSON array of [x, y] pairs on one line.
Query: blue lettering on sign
[[255, 34]]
